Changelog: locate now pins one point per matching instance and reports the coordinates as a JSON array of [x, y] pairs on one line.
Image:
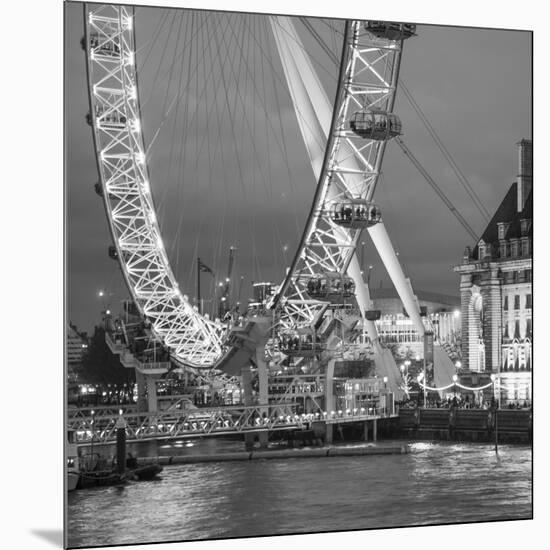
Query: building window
[[502, 229], [529, 329], [528, 275], [503, 249], [481, 251], [505, 303], [528, 301], [525, 248], [516, 330], [513, 248], [516, 301], [524, 224]]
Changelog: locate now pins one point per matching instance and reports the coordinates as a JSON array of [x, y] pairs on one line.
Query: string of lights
[[457, 384]]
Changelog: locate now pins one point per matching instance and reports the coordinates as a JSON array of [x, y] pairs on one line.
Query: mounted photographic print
[[299, 274]]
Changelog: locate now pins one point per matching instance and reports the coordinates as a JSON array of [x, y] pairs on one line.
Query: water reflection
[[435, 483]]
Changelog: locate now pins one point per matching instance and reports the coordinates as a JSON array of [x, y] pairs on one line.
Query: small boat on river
[[141, 473], [73, 469]]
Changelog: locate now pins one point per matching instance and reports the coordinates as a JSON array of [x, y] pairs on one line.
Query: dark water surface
[[435, 483]]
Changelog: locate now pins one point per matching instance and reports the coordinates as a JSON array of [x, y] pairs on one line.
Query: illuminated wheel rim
[[368, 77]]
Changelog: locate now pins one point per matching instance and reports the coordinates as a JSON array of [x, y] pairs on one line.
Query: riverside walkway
[[99, 425]]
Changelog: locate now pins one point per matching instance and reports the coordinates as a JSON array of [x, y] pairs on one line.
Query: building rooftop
[[422, 295], [507, 213]]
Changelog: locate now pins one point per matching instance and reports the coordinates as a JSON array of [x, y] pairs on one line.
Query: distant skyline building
[[496, 291], [77, 346], [397, 329]]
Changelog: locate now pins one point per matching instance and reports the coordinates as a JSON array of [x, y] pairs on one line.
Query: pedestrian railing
[[101, 428]]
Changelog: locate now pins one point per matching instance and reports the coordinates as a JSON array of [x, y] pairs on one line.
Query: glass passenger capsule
[[104, 47], [377, 125], [330, 286], [300, 342], [110, 118], [355, 213], [113, 252], [390, 30]]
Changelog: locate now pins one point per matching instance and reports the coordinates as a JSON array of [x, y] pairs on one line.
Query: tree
[[101, 366]]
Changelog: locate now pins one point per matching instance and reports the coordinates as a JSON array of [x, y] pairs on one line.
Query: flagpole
[[199, 284]]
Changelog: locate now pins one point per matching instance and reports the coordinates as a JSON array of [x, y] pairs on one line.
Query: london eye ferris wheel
[[345, 139]]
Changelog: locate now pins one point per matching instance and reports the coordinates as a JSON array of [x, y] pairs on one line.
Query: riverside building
[[496, 293]]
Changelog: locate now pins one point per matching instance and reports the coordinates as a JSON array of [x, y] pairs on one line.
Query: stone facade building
[[496, 292]]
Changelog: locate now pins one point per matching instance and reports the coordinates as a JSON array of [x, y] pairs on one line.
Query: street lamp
[[92, 444], [419, 379]]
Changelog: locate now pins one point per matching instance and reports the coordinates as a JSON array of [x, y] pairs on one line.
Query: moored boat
[[73, 466]]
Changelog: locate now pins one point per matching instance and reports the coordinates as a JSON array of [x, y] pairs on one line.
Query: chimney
[[525, 174]]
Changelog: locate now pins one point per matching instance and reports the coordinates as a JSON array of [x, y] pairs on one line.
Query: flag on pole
[[204, 268]]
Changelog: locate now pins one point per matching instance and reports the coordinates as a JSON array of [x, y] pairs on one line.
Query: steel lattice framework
[[116, 121], [350, 169], [368, 80]]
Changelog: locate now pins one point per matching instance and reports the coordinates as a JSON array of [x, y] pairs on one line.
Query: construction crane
[[225, 306]]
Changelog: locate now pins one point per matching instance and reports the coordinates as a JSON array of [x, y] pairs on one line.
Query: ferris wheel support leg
[[152, 401], [403, 286]]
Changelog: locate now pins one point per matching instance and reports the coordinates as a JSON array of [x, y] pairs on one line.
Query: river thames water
[[436, 483]]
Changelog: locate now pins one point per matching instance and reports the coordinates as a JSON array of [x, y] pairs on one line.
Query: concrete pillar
[[263, 391], [246, 386], [374, 429], [329, 399], [249, 441], [246, 389], [492, 320], [141, 391], [366, 430], [263, 378], [329, 393], [329, 433], [152, 403], [263, 438]]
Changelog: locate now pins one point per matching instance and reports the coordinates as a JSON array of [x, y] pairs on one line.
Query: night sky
[[235, 185]]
